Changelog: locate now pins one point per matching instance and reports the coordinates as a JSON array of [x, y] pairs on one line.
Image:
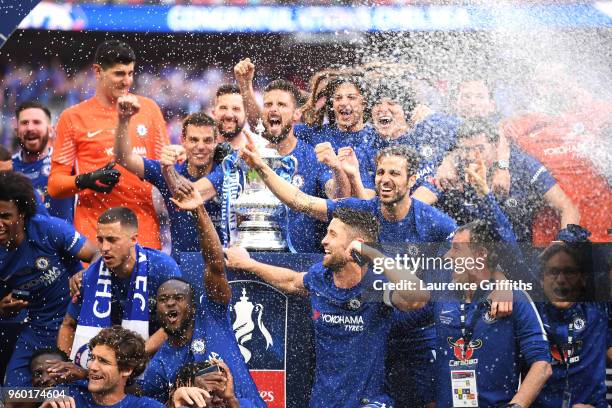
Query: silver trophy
[[256, 208]]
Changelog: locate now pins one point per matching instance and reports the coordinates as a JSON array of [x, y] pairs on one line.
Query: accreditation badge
[[465, 392]]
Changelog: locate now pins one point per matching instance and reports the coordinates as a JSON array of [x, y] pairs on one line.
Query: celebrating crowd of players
[[371, 164]]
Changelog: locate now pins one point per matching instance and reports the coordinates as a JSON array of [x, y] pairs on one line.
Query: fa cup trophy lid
[[261, 143]]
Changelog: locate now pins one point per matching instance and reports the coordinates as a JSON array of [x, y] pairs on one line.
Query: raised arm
[[127, 106], [286, 192], [244, 72], [215, 279], [338, 186], [287, 280], [350, 166]]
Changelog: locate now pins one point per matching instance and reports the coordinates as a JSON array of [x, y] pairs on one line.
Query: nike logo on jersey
[[92, 134]]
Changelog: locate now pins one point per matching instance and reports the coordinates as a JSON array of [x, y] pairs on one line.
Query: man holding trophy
[[296, 162], [256, 220]]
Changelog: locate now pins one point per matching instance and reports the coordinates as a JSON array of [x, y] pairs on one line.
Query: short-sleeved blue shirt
[[305, 232], [497, 347], [351, 326], [39, 270], [422, 224], [220, 343], [314, 135], [82, 398], [38, 173], [183, 227]]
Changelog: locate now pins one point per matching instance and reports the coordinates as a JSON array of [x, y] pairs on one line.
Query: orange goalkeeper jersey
[[565, 144], [85, 141]]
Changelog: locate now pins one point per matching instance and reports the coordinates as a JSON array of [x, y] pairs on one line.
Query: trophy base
[[253, 244], [260, 240]]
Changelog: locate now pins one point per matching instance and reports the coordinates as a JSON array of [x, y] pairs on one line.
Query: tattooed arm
[[176, 183], [286, 192]]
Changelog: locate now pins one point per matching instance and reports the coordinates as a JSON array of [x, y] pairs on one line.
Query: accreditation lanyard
[[467, 330], [562, 348]]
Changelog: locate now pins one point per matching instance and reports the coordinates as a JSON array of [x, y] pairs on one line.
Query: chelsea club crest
[[354, 304], [578, 323], [198, 346], [41, 263], [142, 130]]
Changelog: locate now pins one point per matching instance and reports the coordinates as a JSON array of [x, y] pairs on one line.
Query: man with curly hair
[[117, 356]]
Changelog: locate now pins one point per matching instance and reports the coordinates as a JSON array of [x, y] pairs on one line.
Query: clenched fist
[[172, 154], [127, 106], [244, 71], [326, 155]]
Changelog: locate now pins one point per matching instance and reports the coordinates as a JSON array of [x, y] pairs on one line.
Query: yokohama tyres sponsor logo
[[350, 323], [341, 319]]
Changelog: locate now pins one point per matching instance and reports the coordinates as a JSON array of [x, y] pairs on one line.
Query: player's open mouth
[[172, 316], [346, 114], [386, 189], [95, 377], [275, 121]]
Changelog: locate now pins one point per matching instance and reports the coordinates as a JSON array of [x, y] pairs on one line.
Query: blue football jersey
[[183, 227], [495, 349], [351, 326], [314, 135], [82, 398], [38, 173], [218, 342], [422, 224], [586, 355], [430, 139], [304, 232], [38, 270]]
